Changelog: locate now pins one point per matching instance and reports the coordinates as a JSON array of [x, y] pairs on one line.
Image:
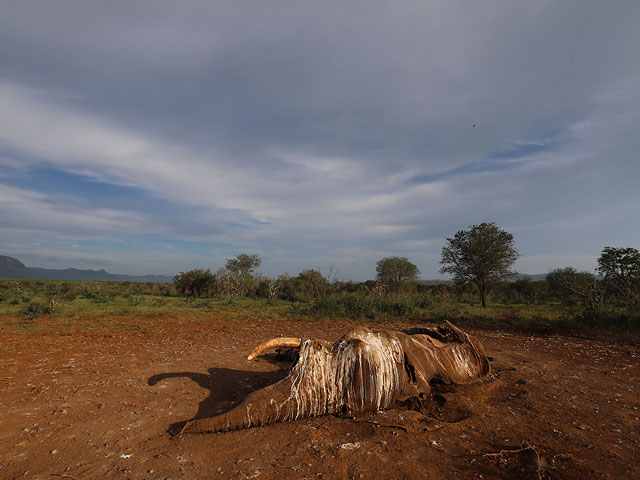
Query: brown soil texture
[[101, 404]]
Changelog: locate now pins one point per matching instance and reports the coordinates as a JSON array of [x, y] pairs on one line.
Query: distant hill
[[535, 276], [97, 275], [11, 268], [519, 276], [434, 282], [73, 274]]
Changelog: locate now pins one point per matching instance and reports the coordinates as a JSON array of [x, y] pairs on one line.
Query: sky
[[153, 137]]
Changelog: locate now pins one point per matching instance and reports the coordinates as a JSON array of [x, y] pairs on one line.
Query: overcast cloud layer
[[159, 136]]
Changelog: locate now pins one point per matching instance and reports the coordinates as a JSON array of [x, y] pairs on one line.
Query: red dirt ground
[[93, 405]]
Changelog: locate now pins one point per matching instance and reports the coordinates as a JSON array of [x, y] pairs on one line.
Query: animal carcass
[[366, 370]]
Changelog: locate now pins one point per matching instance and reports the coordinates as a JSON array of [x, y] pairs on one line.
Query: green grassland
[[46, 306]]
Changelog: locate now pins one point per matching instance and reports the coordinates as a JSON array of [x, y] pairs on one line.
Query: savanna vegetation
[[566, 299]]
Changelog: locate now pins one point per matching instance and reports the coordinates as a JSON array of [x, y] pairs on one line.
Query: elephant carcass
[[366, 370]]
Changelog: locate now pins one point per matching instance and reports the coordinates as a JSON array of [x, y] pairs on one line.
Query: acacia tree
[[195, 282], [243, 264], [275, 286], [392, 272], [621, 270], [230, 284], [583, 285], [481, 256], [236, 277], [314, 283]]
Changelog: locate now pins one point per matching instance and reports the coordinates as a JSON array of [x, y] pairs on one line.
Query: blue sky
[[159, 136]]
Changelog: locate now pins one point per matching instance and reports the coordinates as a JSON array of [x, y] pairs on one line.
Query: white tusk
[[275, 343]]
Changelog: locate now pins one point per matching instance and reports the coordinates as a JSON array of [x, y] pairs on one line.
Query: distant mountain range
[[12, 268], [535, 276], [518, 276]]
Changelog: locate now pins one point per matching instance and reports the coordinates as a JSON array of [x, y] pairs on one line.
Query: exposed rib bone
[[291, 342]]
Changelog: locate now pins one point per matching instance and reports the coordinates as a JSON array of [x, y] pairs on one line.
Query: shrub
[[394, 272], [621, 321], [195, 282], [361, 307], [33, 310], [99, 296]]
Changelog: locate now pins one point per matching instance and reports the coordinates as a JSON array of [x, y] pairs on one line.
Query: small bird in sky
[[473, 126]]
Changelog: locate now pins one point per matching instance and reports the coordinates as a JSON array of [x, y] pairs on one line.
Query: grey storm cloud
[[321, 131]]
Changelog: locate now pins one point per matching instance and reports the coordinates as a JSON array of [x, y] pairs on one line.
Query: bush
[[159, 302], [205, 305], [34, 309], [361, 307], [195, 282], [99, 296], [613, 320]]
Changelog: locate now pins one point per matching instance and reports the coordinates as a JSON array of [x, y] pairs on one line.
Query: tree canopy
[[481, 255], [621, 270], [568, 281], [195, 282], [394, 271], [244, 264]]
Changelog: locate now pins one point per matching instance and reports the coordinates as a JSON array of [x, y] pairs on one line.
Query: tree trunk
[[483, 296]]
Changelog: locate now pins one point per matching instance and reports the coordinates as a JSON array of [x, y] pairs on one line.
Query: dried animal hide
[[366, 370]]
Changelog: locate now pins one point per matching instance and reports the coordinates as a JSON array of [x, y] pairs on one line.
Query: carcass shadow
[[227, 387]]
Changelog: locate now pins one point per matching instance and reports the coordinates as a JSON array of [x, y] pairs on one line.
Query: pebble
[[350, 446]]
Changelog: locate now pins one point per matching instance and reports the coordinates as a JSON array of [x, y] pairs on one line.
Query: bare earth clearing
[[99, 404]]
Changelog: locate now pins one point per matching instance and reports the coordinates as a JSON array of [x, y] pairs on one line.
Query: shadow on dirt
[[228, 387]]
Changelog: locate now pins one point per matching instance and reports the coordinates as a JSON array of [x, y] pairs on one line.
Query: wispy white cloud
[[24, 208], [318, 131]]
